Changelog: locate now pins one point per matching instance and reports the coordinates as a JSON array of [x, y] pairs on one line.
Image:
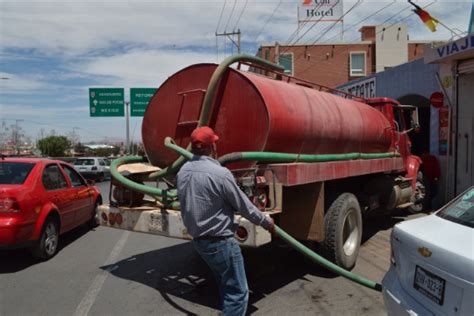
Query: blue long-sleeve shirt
[[209, 198]]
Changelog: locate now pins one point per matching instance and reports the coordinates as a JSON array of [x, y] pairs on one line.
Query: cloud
[[140, 67], [14, 83]]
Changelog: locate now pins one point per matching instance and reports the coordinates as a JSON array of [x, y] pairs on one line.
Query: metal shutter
[[466, 67]]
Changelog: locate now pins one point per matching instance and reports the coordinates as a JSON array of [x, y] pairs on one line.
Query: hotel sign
[[320, 10]]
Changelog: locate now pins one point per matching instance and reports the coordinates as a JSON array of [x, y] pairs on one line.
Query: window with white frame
[[357, 64], [286, 60]]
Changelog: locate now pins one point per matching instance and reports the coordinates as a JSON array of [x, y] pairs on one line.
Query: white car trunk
[[437, 266]]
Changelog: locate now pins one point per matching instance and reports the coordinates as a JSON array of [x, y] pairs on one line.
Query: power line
[[362, 21], [309, 29], [230, 16], [296, 32], [240, 16], [330, 27], [359, 2], [268, 20], [220, 17], [390, 26]]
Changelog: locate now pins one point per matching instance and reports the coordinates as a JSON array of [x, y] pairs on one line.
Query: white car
[[96, 168], [432, 263]]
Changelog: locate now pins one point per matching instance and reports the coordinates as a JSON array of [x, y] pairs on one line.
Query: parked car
[[96, 168], [40, 199], [432, 263]]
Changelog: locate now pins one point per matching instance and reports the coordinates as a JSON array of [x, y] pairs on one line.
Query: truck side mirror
[[415, 124]]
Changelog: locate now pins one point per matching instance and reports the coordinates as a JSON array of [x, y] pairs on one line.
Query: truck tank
[[255, 113]]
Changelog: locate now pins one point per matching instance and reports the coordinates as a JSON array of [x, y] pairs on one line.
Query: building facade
[[331, 64], [447, 127]]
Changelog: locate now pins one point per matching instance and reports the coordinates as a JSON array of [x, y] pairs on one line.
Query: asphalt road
[[112, 272]]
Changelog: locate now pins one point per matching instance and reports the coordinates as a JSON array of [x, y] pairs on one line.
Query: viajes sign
[[320, 10], [451, 49]]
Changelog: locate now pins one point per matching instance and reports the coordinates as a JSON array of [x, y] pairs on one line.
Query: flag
[[429, 21]]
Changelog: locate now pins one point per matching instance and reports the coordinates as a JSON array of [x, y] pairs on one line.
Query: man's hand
[[271, 228]]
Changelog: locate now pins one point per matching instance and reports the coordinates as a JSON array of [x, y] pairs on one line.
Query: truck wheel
[[420, 197], [343, 231], [47, 245]]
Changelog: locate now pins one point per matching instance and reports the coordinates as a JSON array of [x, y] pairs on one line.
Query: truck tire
[[420, 197], [343, 231], [47, 245]]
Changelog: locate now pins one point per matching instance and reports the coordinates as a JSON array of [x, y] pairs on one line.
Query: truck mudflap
[[163, 222]]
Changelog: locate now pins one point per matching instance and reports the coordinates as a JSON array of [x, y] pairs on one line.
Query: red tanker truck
[[315, 159]]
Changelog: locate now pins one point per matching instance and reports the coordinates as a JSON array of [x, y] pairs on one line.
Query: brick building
[[331, 64]]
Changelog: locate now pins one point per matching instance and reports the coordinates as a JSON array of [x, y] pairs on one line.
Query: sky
[[52, 52]]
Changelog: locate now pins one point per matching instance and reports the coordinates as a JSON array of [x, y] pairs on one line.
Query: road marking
[[91, 294]]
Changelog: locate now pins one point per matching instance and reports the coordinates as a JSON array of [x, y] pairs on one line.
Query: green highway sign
[[106, 102], [139, 99]]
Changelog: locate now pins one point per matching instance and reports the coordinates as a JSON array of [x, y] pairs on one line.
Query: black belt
[[212, 238]]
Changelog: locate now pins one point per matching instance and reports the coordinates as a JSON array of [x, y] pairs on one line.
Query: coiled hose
[[169, 143]]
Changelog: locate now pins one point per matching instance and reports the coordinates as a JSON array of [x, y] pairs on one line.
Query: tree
[[54, 146]]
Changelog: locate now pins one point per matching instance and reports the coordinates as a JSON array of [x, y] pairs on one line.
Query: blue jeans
[[226, 262]]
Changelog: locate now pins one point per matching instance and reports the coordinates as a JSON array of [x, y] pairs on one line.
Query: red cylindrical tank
[[255, 113]]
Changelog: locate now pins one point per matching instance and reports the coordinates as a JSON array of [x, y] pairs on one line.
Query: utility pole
[[127, 122], [230, 35]]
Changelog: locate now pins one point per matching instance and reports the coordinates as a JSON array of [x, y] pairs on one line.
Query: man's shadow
[[178, 271]]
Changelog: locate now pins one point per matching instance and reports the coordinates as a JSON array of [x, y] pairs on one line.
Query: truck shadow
[[178, 271], [14, 260]]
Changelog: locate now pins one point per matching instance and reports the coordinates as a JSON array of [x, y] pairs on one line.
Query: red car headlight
[[9, 205]]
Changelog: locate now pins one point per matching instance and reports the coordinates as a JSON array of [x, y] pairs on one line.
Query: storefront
[[442, 87], [456, 70]]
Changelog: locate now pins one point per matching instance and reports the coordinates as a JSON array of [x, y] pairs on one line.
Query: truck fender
[[413, 165], [46, 210]]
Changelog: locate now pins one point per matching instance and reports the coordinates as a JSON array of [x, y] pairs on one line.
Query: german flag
[[429, 21]]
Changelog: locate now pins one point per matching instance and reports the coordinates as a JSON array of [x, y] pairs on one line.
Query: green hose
[[132, 185], [285, 157], [162, 195], [326, 263], [210, 95]]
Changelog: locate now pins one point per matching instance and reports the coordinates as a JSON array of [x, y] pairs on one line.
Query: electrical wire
[[359, 2], [240, 16], [230, 16], [361, 21], [295, 33], [220, 16], [268, 20], [347, 49]]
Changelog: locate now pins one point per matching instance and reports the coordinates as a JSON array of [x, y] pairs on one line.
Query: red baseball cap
[[203, 136]]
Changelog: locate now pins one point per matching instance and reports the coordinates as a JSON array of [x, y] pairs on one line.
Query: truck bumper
[[170, 224]]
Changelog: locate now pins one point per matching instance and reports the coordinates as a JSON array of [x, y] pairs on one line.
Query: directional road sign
[[106, 101], [139, 99]]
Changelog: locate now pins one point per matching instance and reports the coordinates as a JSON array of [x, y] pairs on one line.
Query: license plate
[[429, 284]]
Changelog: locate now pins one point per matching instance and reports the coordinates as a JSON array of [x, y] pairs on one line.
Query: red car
[[41, 199]]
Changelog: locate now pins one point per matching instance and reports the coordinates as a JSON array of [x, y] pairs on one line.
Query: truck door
[[402, 142]]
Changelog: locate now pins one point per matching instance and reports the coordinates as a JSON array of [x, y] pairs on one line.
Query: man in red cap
[[209, 197]]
